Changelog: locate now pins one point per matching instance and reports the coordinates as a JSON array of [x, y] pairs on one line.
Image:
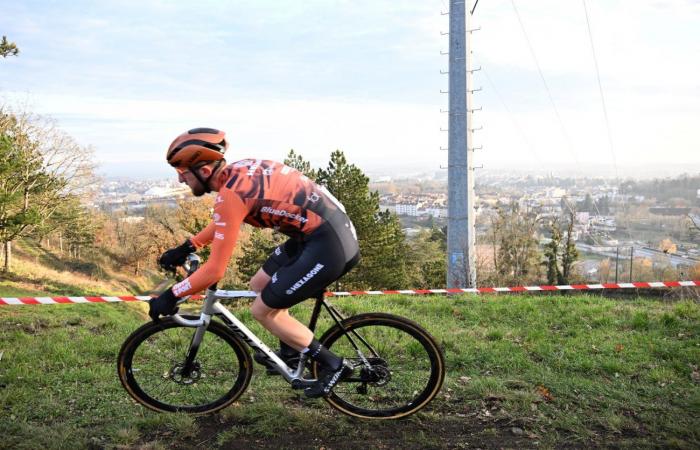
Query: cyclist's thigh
[[320, 262]]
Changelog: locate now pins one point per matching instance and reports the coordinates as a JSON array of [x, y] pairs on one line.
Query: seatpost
[[316, 311]]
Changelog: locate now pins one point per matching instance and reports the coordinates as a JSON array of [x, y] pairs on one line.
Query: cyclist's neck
[[219, 177]]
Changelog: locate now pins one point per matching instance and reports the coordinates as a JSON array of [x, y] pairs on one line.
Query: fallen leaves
[[544, 393]]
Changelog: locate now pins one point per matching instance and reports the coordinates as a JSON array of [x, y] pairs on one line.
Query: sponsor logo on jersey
[[219, 236], [274, 278], [253, 167], [243, 163], [285, 170], [218, 199], [283, 213], [182, 287], [312, 273], [220, 224], [313, 197], [216, 217], [278, 251]]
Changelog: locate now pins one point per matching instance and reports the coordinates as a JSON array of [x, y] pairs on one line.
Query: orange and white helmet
[[197, 145]]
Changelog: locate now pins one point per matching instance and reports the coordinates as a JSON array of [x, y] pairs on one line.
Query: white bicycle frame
[[293, 375]]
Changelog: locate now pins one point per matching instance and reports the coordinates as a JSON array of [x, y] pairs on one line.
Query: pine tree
[[382, 242], [551, 254], [8, 48], [297, 162]]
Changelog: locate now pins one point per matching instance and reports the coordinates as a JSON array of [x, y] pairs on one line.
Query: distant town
[[609, 222]]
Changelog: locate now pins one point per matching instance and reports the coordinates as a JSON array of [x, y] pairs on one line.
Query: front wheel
[[152, 367], [399, 367]]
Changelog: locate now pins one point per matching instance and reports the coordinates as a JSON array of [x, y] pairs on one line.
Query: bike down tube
[[292, 376]]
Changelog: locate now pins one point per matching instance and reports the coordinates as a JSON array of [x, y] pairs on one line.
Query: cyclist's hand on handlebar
[[176, 256], [163, 305]]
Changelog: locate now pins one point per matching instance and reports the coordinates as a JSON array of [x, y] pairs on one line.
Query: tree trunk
[[8, 256]]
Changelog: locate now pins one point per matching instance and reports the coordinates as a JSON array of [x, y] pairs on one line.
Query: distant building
[[158, 192], [583, 217], [131, 219], [603, 223], [407, 209]]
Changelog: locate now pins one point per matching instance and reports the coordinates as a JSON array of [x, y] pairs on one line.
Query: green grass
[[569, 370]]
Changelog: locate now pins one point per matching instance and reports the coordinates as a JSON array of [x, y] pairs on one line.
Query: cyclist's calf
[[281, 324]]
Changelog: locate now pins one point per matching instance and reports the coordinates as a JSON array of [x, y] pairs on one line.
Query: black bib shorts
[[300, 269]]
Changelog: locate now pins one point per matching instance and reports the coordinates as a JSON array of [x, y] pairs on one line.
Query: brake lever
[[191, 263]]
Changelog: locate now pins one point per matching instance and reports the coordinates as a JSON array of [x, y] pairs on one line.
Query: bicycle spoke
[[157, 375], [400, 377]]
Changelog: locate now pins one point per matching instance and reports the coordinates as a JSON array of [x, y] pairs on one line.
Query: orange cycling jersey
[[264, 194]]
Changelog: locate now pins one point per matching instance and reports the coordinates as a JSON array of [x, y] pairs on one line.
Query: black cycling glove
[[163, 305], [175, 257]]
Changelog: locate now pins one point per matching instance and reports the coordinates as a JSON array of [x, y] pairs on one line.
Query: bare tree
[[45, 167]]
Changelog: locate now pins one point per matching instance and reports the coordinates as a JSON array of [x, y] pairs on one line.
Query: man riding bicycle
[[322, 244]]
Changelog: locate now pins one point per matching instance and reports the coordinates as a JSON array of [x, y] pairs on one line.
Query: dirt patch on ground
[[444, 433]]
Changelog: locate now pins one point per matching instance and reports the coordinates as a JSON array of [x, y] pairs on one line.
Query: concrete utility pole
[[461, 267]]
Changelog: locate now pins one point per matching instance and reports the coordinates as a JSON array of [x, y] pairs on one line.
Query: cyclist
[[322, 244]]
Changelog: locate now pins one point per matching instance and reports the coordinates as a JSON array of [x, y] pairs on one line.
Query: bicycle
[[198, 365]]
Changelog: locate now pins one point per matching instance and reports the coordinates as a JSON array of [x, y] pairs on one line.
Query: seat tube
[[316, 311]]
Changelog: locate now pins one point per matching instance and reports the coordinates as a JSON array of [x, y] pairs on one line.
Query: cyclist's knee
[[259, 281], [262, 312]]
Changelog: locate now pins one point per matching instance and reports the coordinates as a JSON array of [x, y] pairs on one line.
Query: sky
[[363, 76]]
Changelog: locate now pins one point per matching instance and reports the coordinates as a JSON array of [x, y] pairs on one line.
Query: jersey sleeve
[[204, 237], [228, 217]]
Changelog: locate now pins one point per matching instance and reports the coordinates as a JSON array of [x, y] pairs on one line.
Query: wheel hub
[[178, 376]]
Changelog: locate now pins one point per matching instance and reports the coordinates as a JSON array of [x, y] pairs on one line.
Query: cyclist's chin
[[198, 191]]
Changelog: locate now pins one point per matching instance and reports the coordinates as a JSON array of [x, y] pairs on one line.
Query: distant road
[[642, 252]]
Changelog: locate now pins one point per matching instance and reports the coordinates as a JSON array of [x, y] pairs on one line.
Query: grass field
[[523, 371]]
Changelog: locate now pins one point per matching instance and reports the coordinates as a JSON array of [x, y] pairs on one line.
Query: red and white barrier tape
[[486, 290]]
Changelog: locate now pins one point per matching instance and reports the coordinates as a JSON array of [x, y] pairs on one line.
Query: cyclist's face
[[186, 176]]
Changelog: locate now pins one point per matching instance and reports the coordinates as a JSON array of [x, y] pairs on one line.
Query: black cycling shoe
[[291, 360], [327, 379]]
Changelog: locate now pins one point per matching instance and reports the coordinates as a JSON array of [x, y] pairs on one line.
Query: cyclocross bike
[[199, 365]]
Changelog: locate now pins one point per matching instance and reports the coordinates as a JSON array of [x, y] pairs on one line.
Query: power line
[[605, 115], [600, 89], [546, 87], [517, 126]]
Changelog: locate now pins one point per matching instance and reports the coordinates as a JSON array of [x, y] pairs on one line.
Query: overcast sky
[[363, 76]]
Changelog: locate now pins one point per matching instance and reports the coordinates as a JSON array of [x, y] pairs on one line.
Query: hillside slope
[[38, 271]]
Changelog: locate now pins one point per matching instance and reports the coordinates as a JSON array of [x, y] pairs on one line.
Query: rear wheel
[[152, 367], [399, 367]]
